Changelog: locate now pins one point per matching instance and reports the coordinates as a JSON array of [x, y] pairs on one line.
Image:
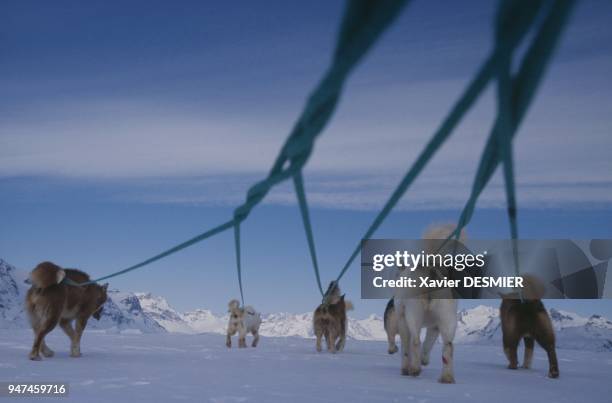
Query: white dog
[[438, 315], [242, 320]]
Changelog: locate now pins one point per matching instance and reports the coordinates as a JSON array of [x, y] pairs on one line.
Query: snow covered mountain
[[148, 313], [122, 311], [12, 289], [477, 324], [300, 325], [158, 309], [482, 324], [204, 321]]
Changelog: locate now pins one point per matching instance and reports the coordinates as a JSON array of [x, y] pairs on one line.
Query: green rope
[[516, 31], [238, 264], [524, 86], [363, 23], [504, 142], [174, 249], [301, 196]]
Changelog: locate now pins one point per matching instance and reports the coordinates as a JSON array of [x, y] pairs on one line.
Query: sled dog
[[242, 321], [438, 315], [330, 319], [527, 320], [50, 301]]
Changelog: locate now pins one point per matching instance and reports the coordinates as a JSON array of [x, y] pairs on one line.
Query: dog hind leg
[[255, 338], [45, 350], [414, 329], [391, 339], [510, 346], [35, 322], [430, 339], [402, 328], [547, 341], [528, 357], [447, 330], [42, 329]]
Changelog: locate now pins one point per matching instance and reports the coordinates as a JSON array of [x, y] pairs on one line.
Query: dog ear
[[342, 297], [61, 274], [508, 295]]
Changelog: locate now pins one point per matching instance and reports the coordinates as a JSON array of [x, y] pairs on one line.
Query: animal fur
[[438, 315], [391, 326], [242, 321], [527, 320], [330, 319], [46, 274], [49, 302]]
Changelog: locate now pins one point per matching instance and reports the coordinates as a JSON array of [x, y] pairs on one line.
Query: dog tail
[[533, 287], [442, 231], [348, 305], [233, 304], [46, 274], [435, 234]]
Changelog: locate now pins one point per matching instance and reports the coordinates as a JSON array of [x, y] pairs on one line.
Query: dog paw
[[512, 366], [411, 371], [393, 350], [524, 366], [75, 355], [554, 374], [447, 378], [48, 353], [35, 358]]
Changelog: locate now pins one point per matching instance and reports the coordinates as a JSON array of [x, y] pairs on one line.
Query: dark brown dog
[[330, 319], [50, 301], [529, 320]]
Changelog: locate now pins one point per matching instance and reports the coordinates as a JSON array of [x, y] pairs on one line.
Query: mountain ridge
[[145, 312]]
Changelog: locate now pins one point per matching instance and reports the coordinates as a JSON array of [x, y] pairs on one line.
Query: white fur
[[242, 321], [439, 316]]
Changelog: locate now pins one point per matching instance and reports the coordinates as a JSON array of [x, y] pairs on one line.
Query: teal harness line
[[214, 231], [515, 19], [301, 195], [238, 264], [363, 23]]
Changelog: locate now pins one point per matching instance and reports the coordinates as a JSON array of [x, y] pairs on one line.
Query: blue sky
[[126, 128]]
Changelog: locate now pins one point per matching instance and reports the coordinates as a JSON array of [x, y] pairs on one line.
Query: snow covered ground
[[170, 366]]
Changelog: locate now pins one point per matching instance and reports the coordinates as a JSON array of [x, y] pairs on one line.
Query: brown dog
[[529, 320], [330, 320], [50, 301]]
